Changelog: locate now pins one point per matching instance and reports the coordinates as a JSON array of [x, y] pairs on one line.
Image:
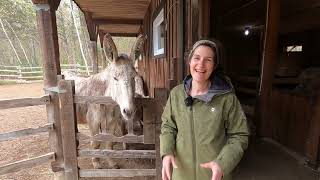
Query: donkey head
[[122, 75]]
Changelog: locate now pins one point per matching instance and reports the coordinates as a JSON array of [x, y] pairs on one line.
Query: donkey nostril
[[127, 112]]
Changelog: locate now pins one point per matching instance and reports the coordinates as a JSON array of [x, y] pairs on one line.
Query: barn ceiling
[[295, 15], [119, 17]]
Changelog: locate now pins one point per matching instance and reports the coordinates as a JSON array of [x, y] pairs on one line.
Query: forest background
[[19, 39]]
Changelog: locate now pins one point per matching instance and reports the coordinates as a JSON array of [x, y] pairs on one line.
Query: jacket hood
[[219, 85]]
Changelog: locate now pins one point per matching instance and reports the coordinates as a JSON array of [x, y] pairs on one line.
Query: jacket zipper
[[193, 144]]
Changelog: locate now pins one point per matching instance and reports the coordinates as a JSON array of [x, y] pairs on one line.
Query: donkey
[[116, 81]]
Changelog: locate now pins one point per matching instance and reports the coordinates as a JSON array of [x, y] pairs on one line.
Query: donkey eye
[[115, 78]]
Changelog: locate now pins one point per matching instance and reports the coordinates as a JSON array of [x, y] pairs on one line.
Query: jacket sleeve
[[168, 131], [237, 133]]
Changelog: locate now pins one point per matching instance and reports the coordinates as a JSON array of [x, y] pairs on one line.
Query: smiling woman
[[206, 137]]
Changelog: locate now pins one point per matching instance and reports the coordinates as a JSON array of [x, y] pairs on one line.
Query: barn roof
[[117, 17]]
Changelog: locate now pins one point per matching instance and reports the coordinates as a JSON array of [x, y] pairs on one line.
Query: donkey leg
[[111, 123], [93, 117]]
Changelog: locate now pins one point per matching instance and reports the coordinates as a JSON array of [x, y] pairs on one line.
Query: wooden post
[[269, 59], [313, 140], [161, 96], [195, 20], [47, 29], [148, 124], [180, 64], [68, 129], [94, 57]]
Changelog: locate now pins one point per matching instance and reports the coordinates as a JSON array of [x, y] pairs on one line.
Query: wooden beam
[[141, 154], [40, 1], [24, 102], [110, 138], [69, 129], [47, 27], [117, 172], [269, 57], [161, 96], [124, 34], [119, 21], [19, 165], [101, 35], [313, 140], [91, 26], [94, 56], [149, 124], [181, 43], [25, 132], [195, 20]]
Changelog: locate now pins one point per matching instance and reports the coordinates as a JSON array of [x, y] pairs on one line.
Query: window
[[158, 34], [293, 48]]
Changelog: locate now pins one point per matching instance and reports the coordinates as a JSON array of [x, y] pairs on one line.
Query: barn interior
[[242, 26]]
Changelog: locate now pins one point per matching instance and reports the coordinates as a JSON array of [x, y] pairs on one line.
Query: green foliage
[[21, 16]]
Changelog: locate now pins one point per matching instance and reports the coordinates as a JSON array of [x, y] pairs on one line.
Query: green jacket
[[214, 128]]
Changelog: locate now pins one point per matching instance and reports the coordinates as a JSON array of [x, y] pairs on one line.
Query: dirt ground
[[33, 146]]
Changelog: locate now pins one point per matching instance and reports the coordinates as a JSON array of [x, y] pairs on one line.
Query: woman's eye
[[115, 78]]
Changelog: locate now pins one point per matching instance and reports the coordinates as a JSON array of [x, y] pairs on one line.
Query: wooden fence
[[151, 108], [24, 102], [31, 74], [70, 136]]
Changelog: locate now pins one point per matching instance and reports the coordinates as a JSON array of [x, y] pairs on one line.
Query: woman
[[204, 131]]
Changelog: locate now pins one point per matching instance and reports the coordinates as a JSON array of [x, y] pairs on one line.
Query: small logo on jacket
[[213, 109]]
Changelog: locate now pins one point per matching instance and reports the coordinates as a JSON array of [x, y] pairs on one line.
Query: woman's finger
[[206, 165], [173, 161], [168, 171], [164, 177]]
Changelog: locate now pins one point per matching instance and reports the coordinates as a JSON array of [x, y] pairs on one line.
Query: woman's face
[[202, 64]]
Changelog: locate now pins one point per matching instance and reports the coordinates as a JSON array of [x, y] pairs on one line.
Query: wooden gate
[[152, 110]]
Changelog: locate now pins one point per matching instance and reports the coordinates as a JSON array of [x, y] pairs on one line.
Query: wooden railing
[[152, 107], [20, 73], [69, 135], [27, 163]]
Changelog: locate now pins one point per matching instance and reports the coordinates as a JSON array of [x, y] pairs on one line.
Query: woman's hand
[[167, 163], [215, 168]]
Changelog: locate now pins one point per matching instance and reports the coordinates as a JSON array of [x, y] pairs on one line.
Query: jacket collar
[[219, 85]]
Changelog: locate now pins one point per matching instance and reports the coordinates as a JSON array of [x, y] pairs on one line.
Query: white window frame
[[156, 33], [294, 48]]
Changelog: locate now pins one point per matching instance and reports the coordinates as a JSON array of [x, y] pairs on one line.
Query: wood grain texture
[[25, 132], [24, 102], [117, 172], [110, 138], [19, 165], [147, 154], [68, 129]]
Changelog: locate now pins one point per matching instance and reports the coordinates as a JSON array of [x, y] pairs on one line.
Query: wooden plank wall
[[157, 71], [291, 120]]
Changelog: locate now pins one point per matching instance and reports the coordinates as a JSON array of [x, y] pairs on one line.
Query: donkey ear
[[110, 49], [137, 48]]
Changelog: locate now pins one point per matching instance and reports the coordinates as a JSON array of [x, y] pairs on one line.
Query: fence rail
[[19, 165], [26, 163], [23, 102], [25, 132], [26, 74], [128, 173]]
